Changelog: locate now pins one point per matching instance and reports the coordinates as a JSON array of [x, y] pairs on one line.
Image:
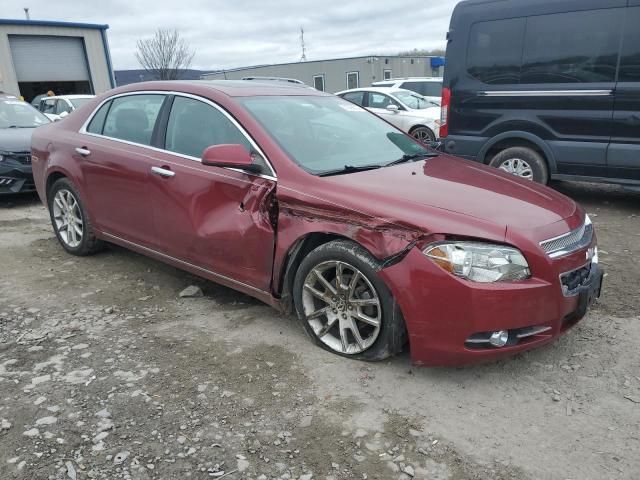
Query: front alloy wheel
[[342, 307]]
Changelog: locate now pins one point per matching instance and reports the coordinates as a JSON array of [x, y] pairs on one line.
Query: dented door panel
[[217, 219]]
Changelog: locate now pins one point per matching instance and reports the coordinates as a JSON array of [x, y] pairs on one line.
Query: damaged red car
[[315, 205]]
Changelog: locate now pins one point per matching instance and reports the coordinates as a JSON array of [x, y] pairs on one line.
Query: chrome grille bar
[[569, 242]]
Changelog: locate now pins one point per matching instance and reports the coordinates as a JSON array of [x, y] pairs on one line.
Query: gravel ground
[[106, 372]]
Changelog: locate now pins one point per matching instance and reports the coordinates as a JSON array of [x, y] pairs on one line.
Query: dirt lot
[[105, 372]]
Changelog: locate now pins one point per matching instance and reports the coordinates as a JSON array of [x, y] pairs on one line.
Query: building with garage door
[[67, 58]]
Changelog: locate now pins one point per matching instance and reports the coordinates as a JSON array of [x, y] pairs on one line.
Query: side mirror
[[393, 108], [230, 156], [63, 114]]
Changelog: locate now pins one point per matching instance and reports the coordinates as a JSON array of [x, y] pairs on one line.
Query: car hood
[[455, 185], [15, 139]]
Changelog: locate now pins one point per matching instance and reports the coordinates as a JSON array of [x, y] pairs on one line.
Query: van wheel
[[522, 162], [423, 134], [345, 306]]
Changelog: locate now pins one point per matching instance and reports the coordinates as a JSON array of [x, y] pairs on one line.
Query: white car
[[428, 87], [407, 110], [58, 107]]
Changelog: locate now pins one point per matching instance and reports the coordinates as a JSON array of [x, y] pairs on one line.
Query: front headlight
[[480, 262]]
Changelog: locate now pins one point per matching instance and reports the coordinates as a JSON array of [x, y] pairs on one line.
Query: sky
[[227, 34]]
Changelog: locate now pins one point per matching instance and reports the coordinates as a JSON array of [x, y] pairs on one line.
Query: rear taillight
[[444, 112]]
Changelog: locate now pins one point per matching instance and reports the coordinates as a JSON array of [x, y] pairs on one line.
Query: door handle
[[163, 172], [83, 151]]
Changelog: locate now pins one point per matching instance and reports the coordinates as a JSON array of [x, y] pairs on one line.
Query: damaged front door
[[214, 218]]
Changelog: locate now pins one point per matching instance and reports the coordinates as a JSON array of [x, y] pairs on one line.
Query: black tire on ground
[[88, 244], [391, 336], [424, 134], [538, 170]]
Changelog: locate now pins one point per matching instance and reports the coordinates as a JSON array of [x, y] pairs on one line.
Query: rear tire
[[355, 316], [423, 134], [70, 221], [522, 162]]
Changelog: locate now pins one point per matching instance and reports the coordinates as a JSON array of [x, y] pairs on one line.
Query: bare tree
[[164, 55], [437, 52]]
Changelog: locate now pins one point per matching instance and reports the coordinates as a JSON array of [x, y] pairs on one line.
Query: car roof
[[231, 88], [8, 96], [379, 90], [70, 97], [413, 79]]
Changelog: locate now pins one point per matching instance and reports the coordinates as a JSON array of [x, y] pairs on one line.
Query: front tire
[[522, 162], [345, 306], [70, 220]]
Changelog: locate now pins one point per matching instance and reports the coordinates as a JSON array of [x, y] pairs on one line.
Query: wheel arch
[[293, 258], [53, 177], [420, 125], [517, 139]]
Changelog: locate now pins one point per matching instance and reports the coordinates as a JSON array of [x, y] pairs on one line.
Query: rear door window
[[380, 100], [355, 97], [495, 51], [630, 58], [132, 118], [574, 47]]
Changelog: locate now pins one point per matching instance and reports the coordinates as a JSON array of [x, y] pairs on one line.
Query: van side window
[[630, 60], [495, 51], [574, 47]]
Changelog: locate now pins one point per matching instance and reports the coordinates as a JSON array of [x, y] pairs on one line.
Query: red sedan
[[310, 203]]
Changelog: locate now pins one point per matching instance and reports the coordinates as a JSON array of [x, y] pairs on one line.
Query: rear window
[[630, 60], [495, 51], [574, 47], [427, 89]]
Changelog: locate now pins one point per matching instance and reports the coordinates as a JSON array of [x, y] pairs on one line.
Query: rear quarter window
[[97, 122], [495, 51], [574, 47], [630, 58]]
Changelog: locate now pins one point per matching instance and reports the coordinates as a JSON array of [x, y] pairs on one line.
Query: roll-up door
[[48, 58]]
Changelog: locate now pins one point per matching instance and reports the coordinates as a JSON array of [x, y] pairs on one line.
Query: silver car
[[407, 110]]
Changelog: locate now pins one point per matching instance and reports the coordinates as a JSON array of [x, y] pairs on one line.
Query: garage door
[[48, 59]]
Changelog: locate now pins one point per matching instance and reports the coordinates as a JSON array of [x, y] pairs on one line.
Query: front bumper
[[442, 311], [15, 177]]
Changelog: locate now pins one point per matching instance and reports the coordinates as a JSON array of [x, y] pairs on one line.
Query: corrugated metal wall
[[370, 69]]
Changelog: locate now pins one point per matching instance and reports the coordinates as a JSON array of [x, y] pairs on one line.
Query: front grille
[[570, 242]]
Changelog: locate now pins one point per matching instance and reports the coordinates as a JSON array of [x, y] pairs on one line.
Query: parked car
[[428, 87], [545, 89], [60, 106], [410, 112], [306, 201], [18, 120]]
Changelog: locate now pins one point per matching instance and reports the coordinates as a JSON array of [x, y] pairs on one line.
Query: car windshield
[[19, 114], [327, 134], [413, 100], [78, 102]]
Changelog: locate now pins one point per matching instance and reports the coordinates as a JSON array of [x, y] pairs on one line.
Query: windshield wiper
[[349, 169], [412, 157]]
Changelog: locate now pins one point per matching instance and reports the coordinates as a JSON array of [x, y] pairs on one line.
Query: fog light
[[499, 338]]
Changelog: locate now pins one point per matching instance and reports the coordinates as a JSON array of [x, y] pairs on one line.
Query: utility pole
[[303, 58], [26, 13]]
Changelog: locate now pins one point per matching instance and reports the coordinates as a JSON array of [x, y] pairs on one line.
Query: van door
[[623, 159], [568, 73]]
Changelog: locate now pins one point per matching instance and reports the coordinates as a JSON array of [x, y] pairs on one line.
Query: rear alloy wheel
[[522, 162], [70, 221], [344, 305], [423, 134]]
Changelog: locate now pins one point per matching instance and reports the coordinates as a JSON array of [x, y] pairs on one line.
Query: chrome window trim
[[83, 129], [546, 93], [218, 275]]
